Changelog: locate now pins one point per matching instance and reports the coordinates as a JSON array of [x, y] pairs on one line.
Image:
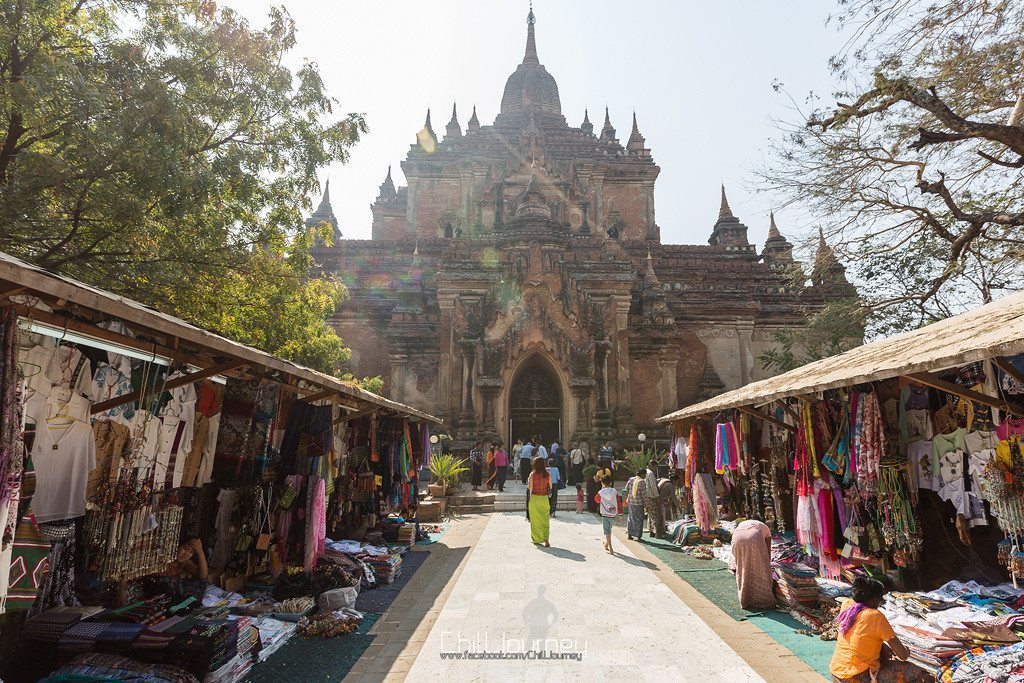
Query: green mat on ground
[[315, 659], [783, 630], [713, 580]]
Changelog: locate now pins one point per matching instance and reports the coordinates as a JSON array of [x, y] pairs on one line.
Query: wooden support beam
[[355, 416], [930, 380], [767, 418], [103, 334], [319, 396], [139, 395], [1008, 368]]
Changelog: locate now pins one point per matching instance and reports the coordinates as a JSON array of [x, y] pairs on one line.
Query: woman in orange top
[[538, 488], [860, 656]]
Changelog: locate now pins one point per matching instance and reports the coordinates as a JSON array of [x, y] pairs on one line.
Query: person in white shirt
[[610, 503], [577, 458]]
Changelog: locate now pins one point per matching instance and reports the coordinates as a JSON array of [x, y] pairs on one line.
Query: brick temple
[[518, 283]]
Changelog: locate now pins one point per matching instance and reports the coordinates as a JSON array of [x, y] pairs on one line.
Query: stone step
[[459, 500], [471, 509], [520, 505], [429, 511]]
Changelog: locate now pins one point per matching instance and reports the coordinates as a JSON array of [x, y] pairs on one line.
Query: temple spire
[[608, 131], [325, 201], [773, 229], [728, 231], [587, 126], [387, 188], [453, 130], [650, 277], [828, 270], [724, 211], [777, 248], [531, 40], [427, 138], [637, 144], [324, 213], [474, 122]]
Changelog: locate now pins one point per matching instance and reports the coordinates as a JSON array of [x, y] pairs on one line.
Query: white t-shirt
[[609, 501], [63, 457], [577, 456]]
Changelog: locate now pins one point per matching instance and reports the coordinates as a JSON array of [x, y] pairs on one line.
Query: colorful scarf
[[848, 616]]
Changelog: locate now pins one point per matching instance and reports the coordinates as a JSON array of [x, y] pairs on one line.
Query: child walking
[[611, 505], [579, 499]]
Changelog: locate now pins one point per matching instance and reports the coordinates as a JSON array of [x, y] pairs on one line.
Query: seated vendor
[[190, 561], [866, 641]]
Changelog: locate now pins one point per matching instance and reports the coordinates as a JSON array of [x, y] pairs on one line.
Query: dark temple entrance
[[535, 403]]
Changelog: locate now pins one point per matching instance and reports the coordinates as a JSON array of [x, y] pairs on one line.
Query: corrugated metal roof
[[995, 329], [40, 280]]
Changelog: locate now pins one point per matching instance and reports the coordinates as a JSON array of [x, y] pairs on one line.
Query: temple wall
[[436, 201], [629, 200], [645, 375], [389, 226], [729, 352], [369, 356]]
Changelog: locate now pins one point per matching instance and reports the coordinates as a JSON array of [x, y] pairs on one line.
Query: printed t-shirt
[[944, 443], [920, 455], [859, 648]]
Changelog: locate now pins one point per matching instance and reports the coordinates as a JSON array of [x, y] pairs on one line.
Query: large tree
[[161, 149], [916, 165]]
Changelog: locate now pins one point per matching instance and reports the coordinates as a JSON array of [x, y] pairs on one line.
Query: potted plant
[[640, 457], [591, 487], [445, 470]]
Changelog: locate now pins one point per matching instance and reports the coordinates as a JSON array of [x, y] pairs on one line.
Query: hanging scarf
[[316, 525], [727, 447], [691, 460]]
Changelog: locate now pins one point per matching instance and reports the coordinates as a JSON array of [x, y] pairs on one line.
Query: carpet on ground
[[379, 599], [313, 659]]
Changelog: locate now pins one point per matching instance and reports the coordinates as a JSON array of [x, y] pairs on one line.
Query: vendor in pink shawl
[[752, 550]]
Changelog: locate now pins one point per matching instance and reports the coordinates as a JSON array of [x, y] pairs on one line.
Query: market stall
[[900, 459], [168, 497]]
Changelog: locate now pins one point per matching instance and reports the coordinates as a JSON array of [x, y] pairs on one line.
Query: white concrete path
[[612, 611]]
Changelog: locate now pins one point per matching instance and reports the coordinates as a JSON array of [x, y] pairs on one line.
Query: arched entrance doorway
[[535, 403]]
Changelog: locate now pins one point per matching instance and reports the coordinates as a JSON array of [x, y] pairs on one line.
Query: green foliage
[[914, 166], [832, 329], [164, 152], [636, 458], [447, 468]]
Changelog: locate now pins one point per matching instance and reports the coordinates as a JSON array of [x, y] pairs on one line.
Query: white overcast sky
[[698, 73]]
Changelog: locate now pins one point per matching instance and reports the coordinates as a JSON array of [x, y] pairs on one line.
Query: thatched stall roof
[[80, 308], [989, 332]]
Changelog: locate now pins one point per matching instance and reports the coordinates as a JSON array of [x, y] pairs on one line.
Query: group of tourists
[[651, 499], [496, 460]]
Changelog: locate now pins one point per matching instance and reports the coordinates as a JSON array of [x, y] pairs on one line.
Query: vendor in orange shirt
[[866, 642]]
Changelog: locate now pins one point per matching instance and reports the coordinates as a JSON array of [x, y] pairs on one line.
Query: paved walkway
[[611, 612]]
